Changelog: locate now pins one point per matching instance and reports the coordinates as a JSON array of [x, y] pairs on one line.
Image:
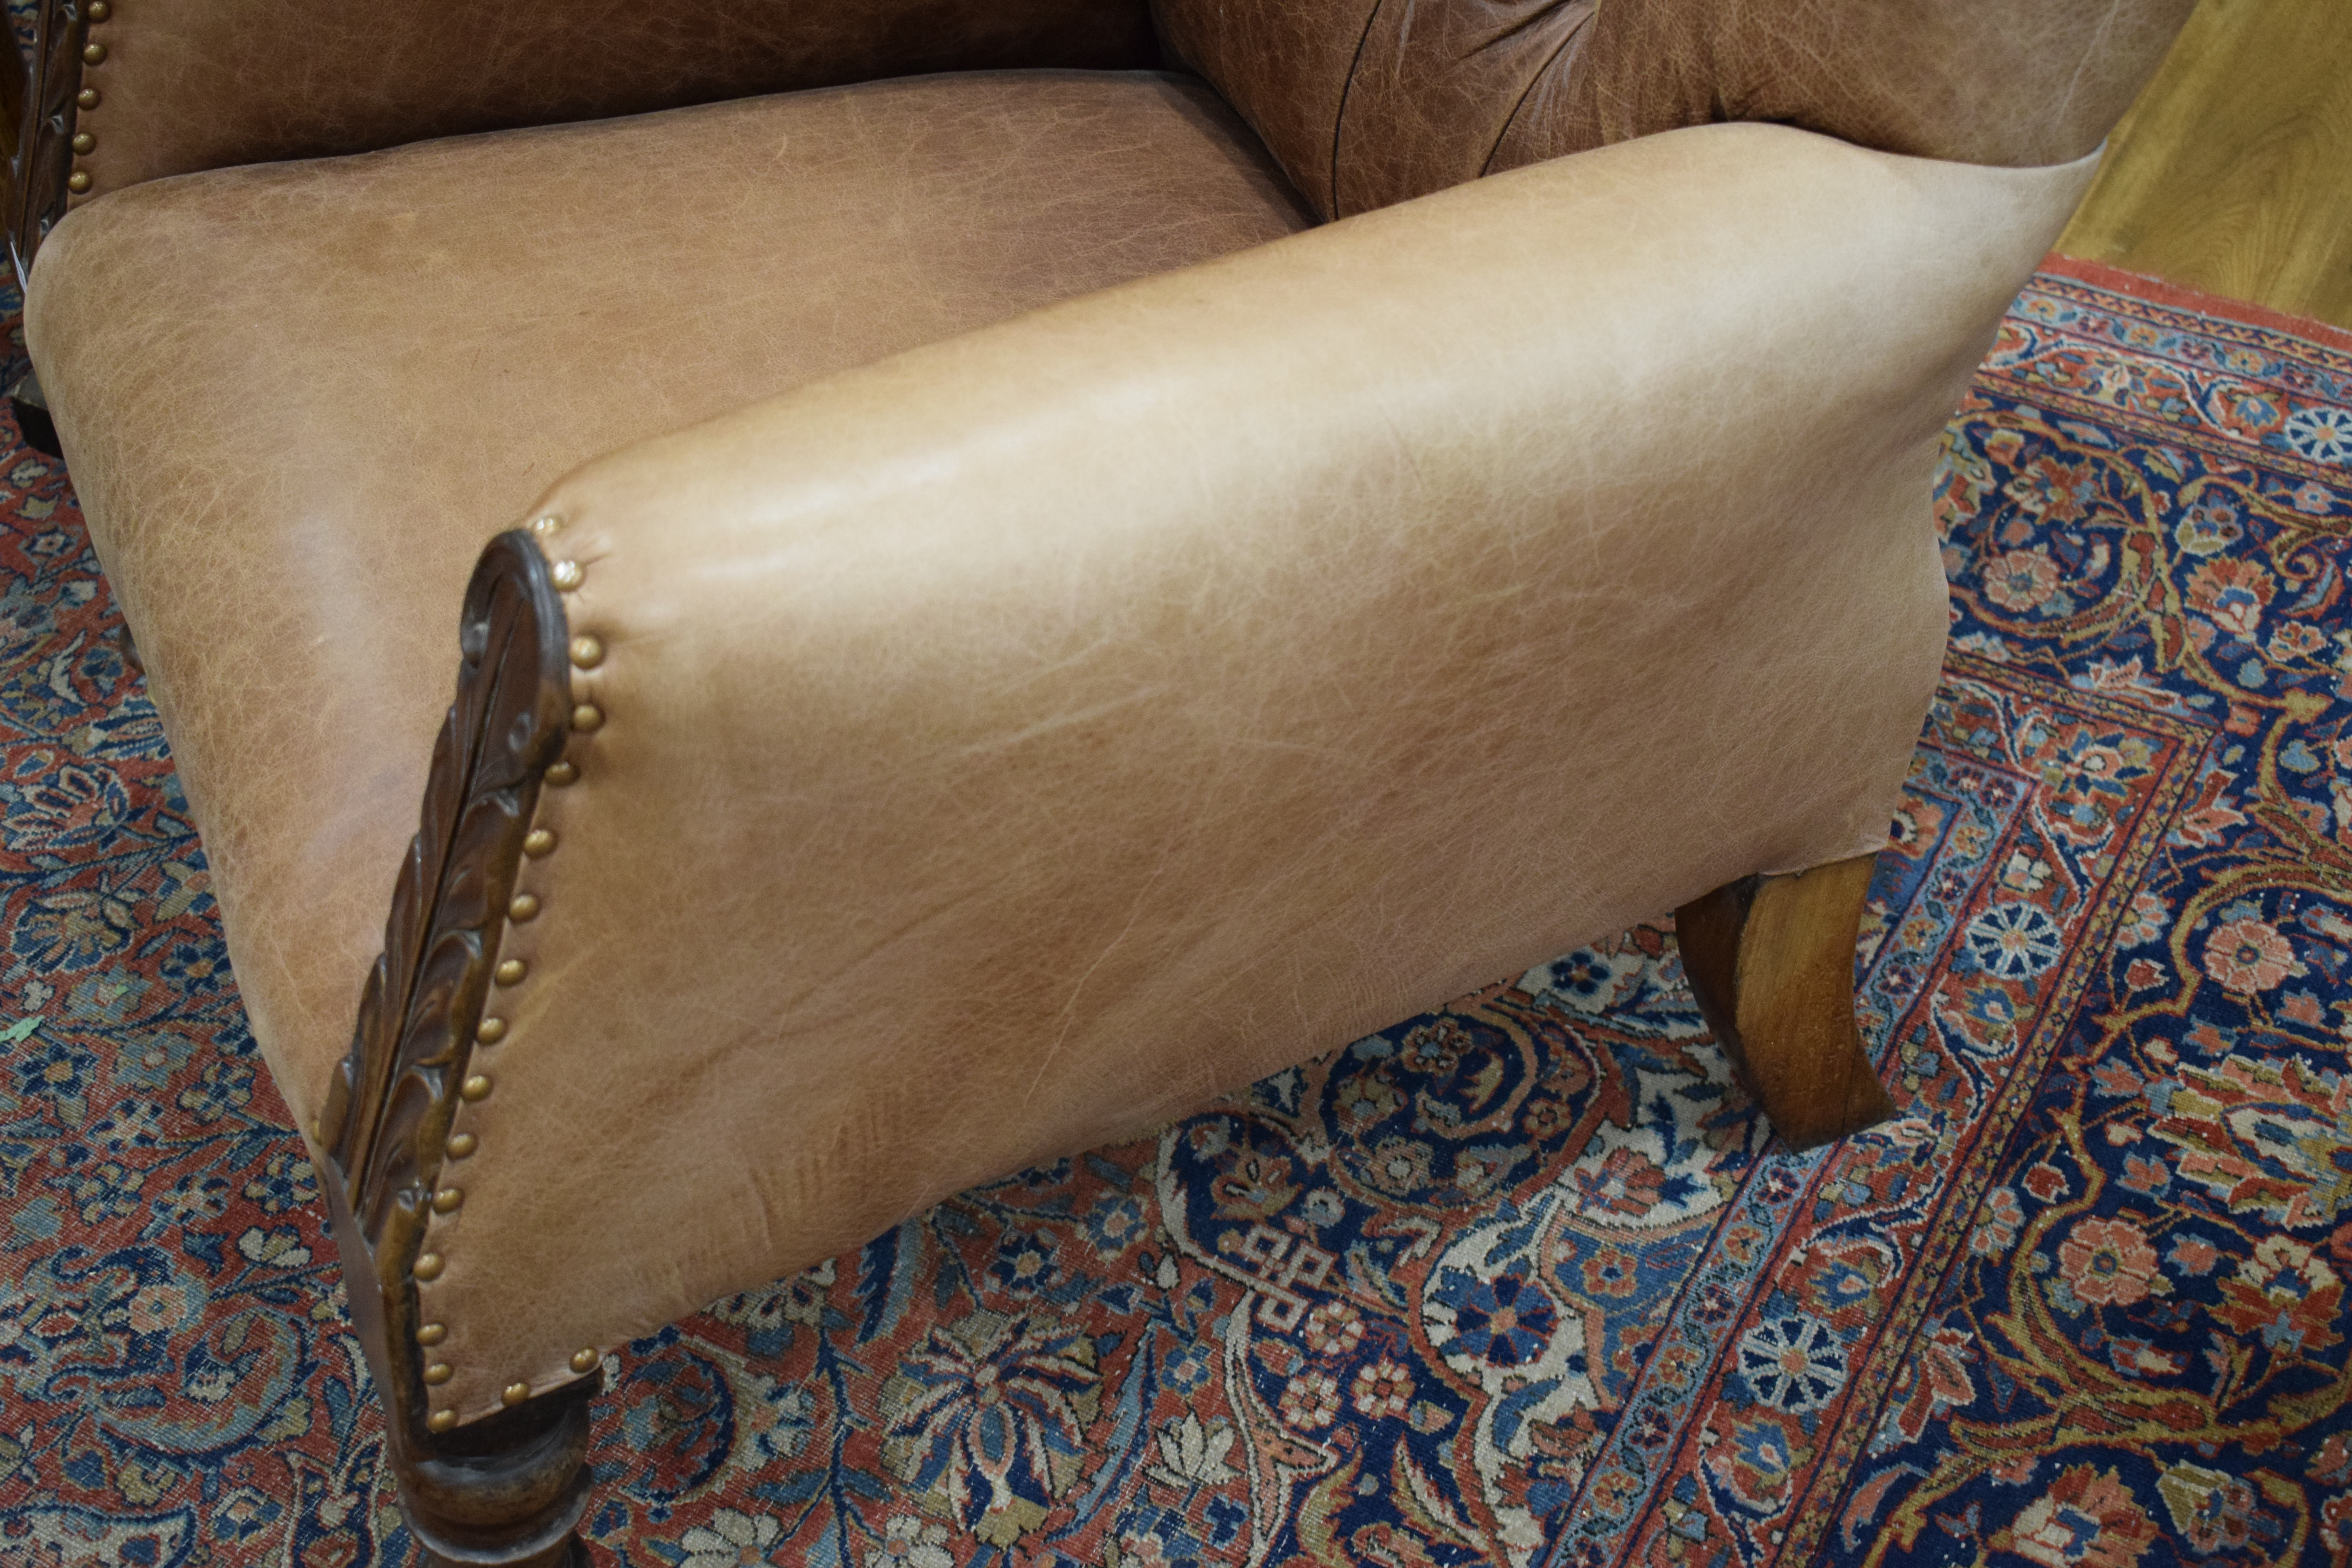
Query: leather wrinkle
[[1562, 60], [1340, 121]]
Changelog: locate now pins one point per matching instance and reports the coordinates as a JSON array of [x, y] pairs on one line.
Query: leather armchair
[[1029, 595]]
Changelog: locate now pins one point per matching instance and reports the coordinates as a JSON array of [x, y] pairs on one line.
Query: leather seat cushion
[[297, 398]]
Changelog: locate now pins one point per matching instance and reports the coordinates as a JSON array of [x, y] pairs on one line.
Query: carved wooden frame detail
[[507, 1489], [38, 192]]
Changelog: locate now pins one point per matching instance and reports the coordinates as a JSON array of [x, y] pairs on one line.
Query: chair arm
[[1004, 747]]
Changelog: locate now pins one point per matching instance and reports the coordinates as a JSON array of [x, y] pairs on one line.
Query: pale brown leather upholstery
[[1144, 691], [1158, 689], [1367, 102], [420, 340], [185, 85]]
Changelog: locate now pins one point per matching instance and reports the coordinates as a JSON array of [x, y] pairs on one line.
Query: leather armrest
[[1022, 740]]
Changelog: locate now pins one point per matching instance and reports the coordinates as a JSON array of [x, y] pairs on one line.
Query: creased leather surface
[[204, 84], [1367, 102], [298, 399], [1990, 81], [1018, 741]]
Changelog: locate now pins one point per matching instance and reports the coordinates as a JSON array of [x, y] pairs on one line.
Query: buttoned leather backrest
[[1367, 102], [181, 85]]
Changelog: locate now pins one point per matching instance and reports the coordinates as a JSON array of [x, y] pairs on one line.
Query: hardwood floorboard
[[2233, 171]]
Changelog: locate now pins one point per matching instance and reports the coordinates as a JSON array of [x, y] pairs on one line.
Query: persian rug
[[1526, 1282]]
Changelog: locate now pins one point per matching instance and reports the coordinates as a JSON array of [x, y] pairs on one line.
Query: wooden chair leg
[[506, 1489], [1771, 959]]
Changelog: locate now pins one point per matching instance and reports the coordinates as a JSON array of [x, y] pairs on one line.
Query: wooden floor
[[2233, 171]]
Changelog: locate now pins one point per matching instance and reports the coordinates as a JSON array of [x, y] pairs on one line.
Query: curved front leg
[[1772, 961]]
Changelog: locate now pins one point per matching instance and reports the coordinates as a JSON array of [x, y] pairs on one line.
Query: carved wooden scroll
[[506, 1489]]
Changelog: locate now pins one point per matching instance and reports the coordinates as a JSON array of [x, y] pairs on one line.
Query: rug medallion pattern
[[1526, 1282]]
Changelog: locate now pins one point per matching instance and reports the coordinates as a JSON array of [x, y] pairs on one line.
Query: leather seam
[[1346, 86], [1574, 41]]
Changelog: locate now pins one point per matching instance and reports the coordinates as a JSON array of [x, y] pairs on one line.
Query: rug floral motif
[[1526, 1282]]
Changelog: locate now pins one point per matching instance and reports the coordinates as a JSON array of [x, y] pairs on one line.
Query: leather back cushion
[[1366, 102], [201, 84]]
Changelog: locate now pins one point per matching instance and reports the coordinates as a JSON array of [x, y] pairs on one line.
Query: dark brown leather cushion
[[298, 398]]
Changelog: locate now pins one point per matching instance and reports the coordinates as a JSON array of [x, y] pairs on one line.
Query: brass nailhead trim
[[567, 574], [441, 1421], [439, 1373], [432, 1334], [99, 10], [87, 97], [93, 54], [78, 181], [587, 652], [84, 142]]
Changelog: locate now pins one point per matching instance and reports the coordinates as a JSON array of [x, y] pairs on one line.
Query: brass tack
[[515, 1393], [490, 1031], [587, 651], [87, 97], [462, 1144], [538, 841], [543, 526], [78, 181], [510, 971], [524, 906], [441, 1421], [432, 1334], [567, 574], [438, 1373], [428, 1266], [83, 141], [99, 10], [562, 774], [93, 54], [587, 717], [446, 1200], [584, 1361], [476, 1088]]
